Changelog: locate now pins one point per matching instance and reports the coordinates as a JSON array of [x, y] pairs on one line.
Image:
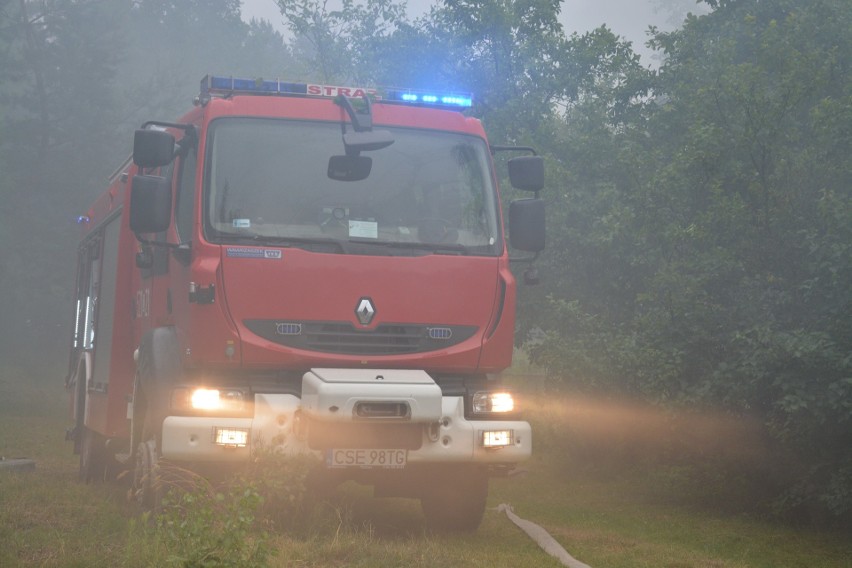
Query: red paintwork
[[302, 285]]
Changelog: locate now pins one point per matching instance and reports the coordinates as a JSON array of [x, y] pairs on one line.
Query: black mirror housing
[[527, 173], [150, 204], [526, 224], [153, 148], [349, 168]]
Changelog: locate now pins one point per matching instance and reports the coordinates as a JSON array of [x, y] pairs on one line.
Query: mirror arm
[[190, 132], [151, 243], [529, 259], [361, 121], [531, 277], [185, 127]]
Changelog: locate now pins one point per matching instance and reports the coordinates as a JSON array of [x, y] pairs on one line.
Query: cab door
[[152, 302]]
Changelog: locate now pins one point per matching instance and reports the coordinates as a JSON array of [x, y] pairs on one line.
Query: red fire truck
[[306, 269]]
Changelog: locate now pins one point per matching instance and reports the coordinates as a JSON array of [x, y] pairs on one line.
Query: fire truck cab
[[306, 269]]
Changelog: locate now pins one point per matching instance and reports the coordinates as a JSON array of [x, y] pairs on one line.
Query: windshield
[[268, 181]]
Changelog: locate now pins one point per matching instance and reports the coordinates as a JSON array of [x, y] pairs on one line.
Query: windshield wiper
[[437, 248], [346, 246], [284, 241]]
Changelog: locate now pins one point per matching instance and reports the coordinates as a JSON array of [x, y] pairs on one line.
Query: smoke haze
[[627, 18]]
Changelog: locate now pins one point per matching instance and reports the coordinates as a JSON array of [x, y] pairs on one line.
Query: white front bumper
[[276, 426]]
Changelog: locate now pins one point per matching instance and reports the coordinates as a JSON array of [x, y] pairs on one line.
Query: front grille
[[344, 338]]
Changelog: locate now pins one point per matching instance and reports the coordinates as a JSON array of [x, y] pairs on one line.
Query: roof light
[[227, 86], [429, 98]]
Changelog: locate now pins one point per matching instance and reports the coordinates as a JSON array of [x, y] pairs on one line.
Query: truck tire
[[456, 502], [157, 367], [93, 456], [147, 485], [156, 370]]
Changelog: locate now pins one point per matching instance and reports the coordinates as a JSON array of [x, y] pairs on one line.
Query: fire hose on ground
[[542, 538]]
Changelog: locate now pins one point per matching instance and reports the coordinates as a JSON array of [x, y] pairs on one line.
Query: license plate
[[388, 459]]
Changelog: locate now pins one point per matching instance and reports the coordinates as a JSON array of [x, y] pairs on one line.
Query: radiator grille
[[344, 338]]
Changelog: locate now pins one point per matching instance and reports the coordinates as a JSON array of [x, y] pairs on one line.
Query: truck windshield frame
[[266, 180]]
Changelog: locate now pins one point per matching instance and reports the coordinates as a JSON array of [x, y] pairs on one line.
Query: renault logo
[[365, 311]]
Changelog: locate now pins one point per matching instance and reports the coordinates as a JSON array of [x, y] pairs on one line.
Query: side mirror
[[526, 224], [527, 173], [349, 168], [150, 204], [153, 148]]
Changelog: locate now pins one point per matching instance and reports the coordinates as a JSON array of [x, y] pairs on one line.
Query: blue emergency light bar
[[226, 86], [428, 98]]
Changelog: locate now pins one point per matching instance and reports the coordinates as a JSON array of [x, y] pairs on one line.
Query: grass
[[589, 484]]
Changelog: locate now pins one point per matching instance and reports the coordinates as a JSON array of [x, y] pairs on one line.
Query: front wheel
[[147, 485], [455, 501], [93, 456]]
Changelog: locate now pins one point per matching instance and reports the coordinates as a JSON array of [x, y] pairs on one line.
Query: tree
[[338, 46], [78, 77], [178, 43], [716, 227], [58, 59]]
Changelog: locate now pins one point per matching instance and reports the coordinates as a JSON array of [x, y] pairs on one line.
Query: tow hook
[[434, 431]]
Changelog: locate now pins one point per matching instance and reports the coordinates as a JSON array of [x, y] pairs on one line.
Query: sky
[[628, 18]]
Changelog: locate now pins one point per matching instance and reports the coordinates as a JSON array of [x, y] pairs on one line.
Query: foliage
[[339, 45], [283, 483], [705, 255], [203, 523], [203, 526], [58, 113]]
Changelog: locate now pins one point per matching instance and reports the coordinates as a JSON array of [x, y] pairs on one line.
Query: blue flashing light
[[83, 219], [458, 101], [428, 98]]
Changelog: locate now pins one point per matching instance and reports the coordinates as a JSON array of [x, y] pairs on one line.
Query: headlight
[[208, 400], [492, 403], [205, 399]]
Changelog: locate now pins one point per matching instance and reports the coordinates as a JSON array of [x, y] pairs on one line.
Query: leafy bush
[[204, 527], [283, 483]]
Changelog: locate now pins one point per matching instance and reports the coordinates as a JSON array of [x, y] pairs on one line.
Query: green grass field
[[605, 507]]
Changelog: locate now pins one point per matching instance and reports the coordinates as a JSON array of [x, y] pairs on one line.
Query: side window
[[89, 300], [185, 203]]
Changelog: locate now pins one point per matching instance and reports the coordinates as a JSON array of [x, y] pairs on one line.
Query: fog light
[[497, 438], [231, 437]]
